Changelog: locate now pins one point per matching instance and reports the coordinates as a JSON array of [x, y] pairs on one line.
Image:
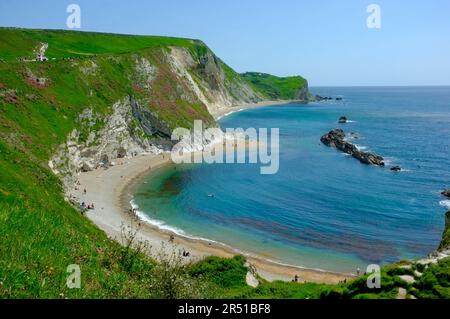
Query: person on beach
[[186, 253], [84, 191], [358, 271]]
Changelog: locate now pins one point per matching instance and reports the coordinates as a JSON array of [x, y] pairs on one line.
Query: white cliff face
[[119, 138], [212, 87], [132, 128], [145, 73]]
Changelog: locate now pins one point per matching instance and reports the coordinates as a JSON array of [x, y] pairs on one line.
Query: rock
[[407, 278], [302, 94], [251, 280], [87, 153], [318, 98], [405, 267], [401, 293], [121, 152], [338, 99], [446, 193], [343, 120], [85, 167], [335, 138], [396, 168], [104, 160]]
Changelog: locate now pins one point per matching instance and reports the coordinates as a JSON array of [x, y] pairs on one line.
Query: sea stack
[[336, 138]]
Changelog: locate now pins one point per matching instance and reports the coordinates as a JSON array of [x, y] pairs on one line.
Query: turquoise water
[[323, 209]]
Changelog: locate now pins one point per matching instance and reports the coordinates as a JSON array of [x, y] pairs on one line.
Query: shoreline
[[110, 191], [221, 113]]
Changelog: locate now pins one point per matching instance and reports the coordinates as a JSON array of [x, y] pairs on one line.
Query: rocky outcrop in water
[[446, 193], [318, 98], [336, 138], [343, 120], [396, 168]]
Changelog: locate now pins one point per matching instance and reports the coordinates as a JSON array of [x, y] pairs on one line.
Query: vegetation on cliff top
[[273, 87], [21, 43]]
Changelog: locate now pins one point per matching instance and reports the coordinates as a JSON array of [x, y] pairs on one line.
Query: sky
[[327, 42]]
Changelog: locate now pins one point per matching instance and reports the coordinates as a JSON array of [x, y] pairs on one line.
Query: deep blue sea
[[323, 209]]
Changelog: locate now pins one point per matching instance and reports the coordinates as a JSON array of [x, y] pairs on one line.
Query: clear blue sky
[[328, 42]]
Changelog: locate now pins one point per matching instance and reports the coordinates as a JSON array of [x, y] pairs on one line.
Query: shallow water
[[323, 209]]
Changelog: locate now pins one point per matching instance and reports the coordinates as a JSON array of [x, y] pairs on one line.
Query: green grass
[[41, 233], [273, 87], [17, 43]]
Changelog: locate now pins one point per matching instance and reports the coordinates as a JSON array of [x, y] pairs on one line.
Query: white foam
[[154, 222], [360, 148], [445, 203], [389, 161], [163, 226]]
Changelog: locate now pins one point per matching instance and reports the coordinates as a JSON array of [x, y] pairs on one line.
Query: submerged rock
[[336, 138]]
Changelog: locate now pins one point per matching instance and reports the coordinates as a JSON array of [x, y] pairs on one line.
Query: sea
[[323, 209]]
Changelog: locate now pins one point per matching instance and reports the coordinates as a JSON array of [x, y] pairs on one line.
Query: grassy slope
[[22, 42], [41, 233], [274, 87]]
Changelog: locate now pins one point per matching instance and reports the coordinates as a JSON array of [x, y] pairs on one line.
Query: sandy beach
[[218, 114], [110, 190]]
